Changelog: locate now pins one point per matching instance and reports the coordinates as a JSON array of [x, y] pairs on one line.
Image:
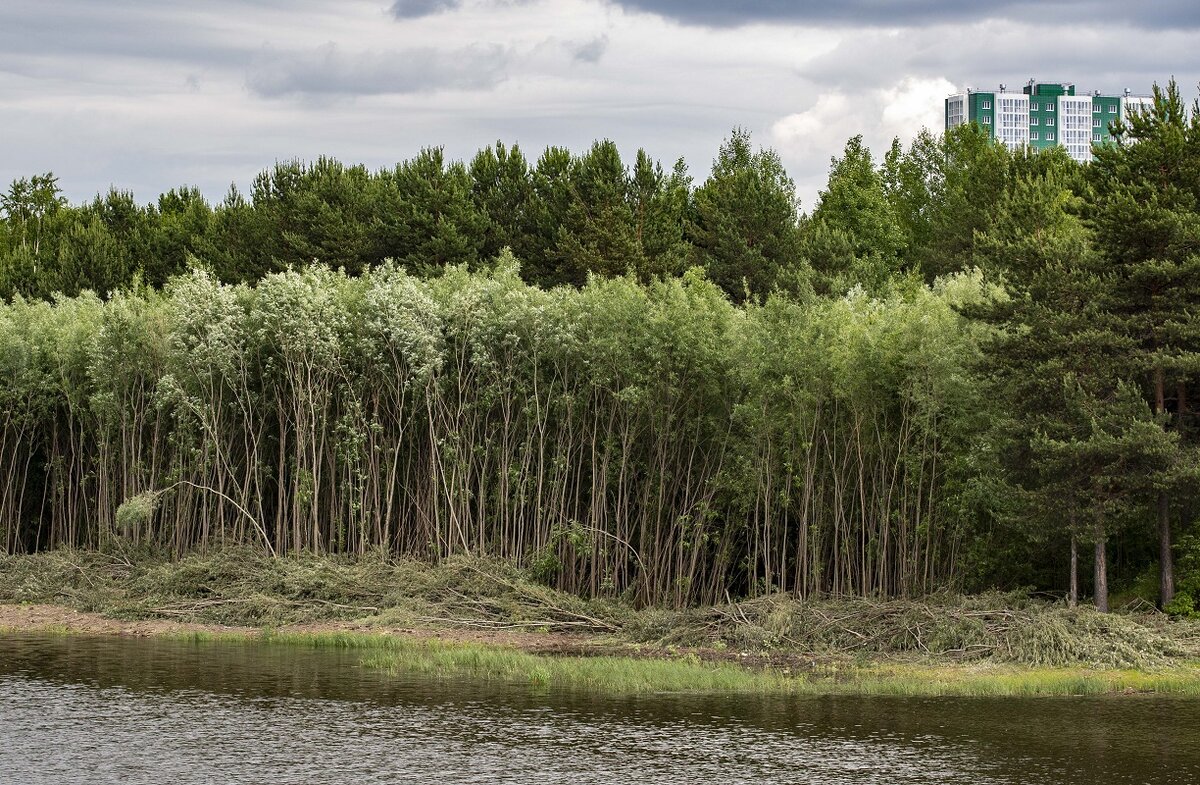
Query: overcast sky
[[150, 94]]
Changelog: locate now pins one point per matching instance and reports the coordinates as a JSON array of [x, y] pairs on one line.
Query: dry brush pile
[[998, 627]]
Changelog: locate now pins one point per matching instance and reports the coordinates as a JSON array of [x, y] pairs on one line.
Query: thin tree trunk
[[1166, 567], [1166, 571], [1101, 570], [1073, 594]]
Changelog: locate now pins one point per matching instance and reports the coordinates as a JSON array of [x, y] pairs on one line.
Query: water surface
[[118, 710]]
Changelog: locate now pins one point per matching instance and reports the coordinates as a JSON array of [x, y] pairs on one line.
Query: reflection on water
[[108, 710]]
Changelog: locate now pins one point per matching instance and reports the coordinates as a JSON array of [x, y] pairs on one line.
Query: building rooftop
[[1126, 93]]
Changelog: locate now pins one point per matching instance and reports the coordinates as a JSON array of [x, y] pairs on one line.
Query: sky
[[147, 95]]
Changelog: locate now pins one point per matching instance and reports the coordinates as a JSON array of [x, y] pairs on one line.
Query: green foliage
[[855, 206], [137, 512], [746, 213], [1188, 583], [950, 191], [502, 190], [644, 439]]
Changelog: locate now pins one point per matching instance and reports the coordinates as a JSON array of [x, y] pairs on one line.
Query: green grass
[[336, 639], [625, 675], [602, 674], [928, 680], [663, 673], [451, 660]]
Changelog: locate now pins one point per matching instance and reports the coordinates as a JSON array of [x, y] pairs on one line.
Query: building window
[[987, 121], [1095, 122], [1112, 109], [1033, 136], [1049, 107], [1049, 136], [1049, 121], [987, 104], [1033, 107], [1095, 137], [1033, 121]]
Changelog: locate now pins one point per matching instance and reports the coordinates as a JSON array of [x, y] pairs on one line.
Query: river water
[[117, 710]]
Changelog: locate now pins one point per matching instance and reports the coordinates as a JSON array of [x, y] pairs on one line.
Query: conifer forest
[[962, 368]]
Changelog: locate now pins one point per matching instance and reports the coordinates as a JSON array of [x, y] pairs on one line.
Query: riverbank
[[485, 620], [580, 662]]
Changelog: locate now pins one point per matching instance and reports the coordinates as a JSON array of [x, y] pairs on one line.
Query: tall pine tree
[[1146, 216]]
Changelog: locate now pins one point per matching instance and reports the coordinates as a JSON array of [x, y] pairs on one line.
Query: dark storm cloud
[[589, 51], [130, 28], [982, 58], [907, 13], [329, 71], [413, 9]]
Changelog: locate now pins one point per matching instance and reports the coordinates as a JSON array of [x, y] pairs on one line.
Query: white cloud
[[808, 140], [913, 104], [829, 122]]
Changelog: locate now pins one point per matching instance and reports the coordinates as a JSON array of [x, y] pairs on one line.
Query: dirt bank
[[44, 617]]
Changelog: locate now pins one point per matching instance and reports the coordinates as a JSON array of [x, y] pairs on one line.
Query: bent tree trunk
[[1101, 570]]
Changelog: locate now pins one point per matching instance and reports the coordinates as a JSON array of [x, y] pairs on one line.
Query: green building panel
[[981, 110], [1105, 110], [1051, 89], [1043, 112]]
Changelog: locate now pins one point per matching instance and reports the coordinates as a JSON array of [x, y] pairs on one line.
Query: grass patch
[[660, 670], [603, 674], [336, 639], [624, 675], [924, 680]]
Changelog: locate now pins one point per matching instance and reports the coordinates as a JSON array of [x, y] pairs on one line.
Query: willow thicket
[[653, 440]]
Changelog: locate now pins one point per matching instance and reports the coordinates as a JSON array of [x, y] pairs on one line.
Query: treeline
[[564, 216], [961, 368]]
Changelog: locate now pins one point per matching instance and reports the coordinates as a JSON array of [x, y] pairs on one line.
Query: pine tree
[[746, 226], [502, 189], [1146, 216], [855, 206], [432, 219], [660, 204], [598, 232], [967, 176], [1054, 360]]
